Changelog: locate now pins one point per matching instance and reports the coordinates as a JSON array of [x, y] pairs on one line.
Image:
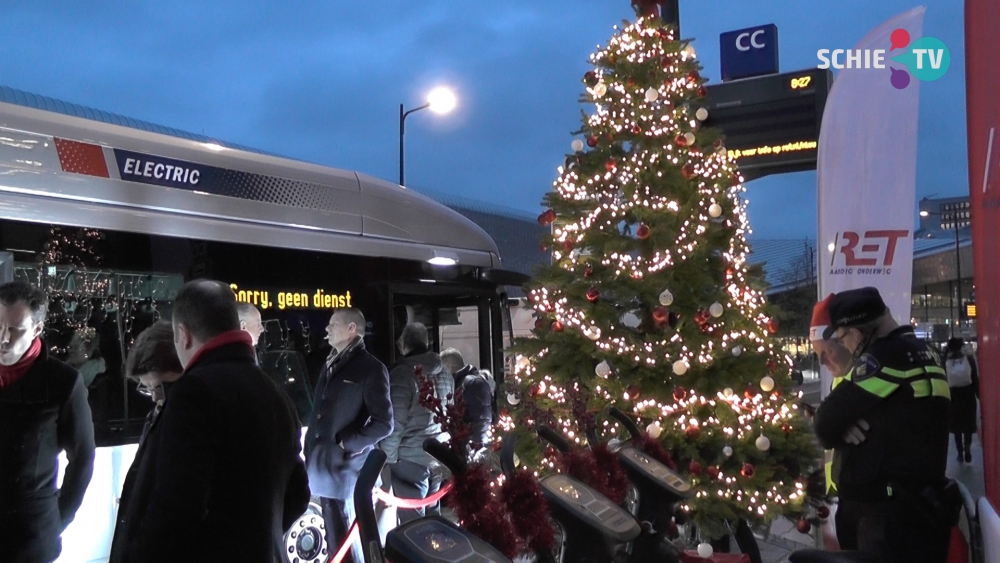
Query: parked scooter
[[594, 529], [431, 539]]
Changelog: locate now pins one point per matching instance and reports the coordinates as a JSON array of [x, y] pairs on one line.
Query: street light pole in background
[[440, 100]]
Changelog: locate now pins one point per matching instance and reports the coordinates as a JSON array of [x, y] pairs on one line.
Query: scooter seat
[[819, 556]]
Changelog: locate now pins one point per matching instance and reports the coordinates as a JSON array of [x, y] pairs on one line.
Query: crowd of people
[[220, 455]]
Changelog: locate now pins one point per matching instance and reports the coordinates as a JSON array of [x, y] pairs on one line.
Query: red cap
[[820, 318]]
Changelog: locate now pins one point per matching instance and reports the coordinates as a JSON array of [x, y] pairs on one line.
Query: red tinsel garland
[[529, 511], [611, 470], [480, 512], [582, 464], [653, 447]]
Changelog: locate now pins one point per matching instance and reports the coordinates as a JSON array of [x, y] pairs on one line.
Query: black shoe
[[968, 456]]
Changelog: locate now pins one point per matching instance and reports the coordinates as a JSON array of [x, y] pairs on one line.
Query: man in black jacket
[[223, 464], [43, 410], [352, 413]]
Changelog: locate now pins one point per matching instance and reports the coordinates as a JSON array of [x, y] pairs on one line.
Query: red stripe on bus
[[81, 158]]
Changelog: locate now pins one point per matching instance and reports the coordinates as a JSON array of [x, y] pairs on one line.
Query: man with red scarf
[[222, 471], [43, 410]]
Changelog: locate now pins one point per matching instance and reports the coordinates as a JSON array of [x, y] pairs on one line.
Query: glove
[[856, 434]]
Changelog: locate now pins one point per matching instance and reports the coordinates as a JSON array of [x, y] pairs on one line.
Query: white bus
[[111, 216]]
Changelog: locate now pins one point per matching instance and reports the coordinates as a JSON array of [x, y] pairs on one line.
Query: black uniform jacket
[[898, 387], [220, 471], [43, 413]]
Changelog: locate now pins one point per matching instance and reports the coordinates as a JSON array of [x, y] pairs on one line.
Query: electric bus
[[111, 216]]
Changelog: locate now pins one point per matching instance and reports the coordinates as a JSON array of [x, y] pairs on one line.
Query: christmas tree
[[649, 304]]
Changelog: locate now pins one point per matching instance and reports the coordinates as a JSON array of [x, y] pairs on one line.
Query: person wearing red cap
[[891, 473]]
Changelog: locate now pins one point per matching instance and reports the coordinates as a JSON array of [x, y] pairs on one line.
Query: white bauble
[[689, 138], [715, 210], [680, 367], [603, 369], [600, 90], [654, 430], [737, 350], [652, 94], [705, 550], [727, 392], [666, 298], [766, 384], [701, 114], [523, 362], [631, 320], [592, 332], [513, 399], [689, 51], [577, 145], [727, 451], [517, 460], [721, 151], [762, 443], [715, 310]]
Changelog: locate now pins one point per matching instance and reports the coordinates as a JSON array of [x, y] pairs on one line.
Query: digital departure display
[[283, 299]]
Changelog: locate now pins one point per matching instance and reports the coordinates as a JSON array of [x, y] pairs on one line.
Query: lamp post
[[958, 262], [440, 100]]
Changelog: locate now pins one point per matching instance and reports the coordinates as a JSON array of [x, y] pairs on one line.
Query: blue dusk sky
[[322, 81]]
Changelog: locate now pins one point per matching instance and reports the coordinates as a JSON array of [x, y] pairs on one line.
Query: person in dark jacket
[[891, 468], [963, 380], [352, 413], [412, 468], [152, 362], [477, 392], [43, 410], [223, 458]]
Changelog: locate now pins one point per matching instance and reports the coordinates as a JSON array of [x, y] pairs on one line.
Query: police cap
[[854, 307]]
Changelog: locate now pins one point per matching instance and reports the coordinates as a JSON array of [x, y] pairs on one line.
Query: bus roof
[[67, 164]]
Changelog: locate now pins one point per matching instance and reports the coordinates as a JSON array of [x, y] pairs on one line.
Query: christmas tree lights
[[649, 303]]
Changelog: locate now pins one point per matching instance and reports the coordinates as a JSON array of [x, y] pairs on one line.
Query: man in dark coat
[[224, 461], [352, 413], [43, 410], [477, 393]]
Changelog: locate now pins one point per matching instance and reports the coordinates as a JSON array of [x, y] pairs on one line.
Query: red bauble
[[589, 271], [633, 391], [630, 81], [773, 325], [547, 217], [712, 472], [610, 164], [803, 525], [642, 232], [693, 76], [688, 171], [694, 468], [679, 393], [787, 429], [592, 141], [823, 512], [702, 91], [693, 432], [590, 78], [772, 366], [636, 130], [680, 141], [568, 245], [593, 294], [729, 271], [557, 326], [747, 470], [534, 390], [665, 61], [660, 314]]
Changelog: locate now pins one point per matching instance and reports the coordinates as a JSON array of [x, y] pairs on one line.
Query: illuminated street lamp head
[[924, 213], [441, 100]]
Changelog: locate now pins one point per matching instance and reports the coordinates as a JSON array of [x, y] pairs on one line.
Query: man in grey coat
[[412, 468], [351, 413]]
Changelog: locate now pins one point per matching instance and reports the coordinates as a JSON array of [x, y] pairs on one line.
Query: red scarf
[[224, 339], [10, 375]]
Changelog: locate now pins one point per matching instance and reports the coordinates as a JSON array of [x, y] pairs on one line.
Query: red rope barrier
[[392, 500], [345, 547]]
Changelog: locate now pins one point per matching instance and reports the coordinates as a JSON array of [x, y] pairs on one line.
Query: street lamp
[[958, 261], [440, 100]]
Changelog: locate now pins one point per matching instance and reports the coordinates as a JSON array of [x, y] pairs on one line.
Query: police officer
[[888, 420]]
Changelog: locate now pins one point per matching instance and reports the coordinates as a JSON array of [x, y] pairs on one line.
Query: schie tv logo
[[865, 254], [926, 58]]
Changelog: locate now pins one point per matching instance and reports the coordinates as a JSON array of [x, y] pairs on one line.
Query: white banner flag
[[866, 171]]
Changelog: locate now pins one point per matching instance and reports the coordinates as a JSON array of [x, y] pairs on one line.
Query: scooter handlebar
[[557, 440], [626, 421]]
